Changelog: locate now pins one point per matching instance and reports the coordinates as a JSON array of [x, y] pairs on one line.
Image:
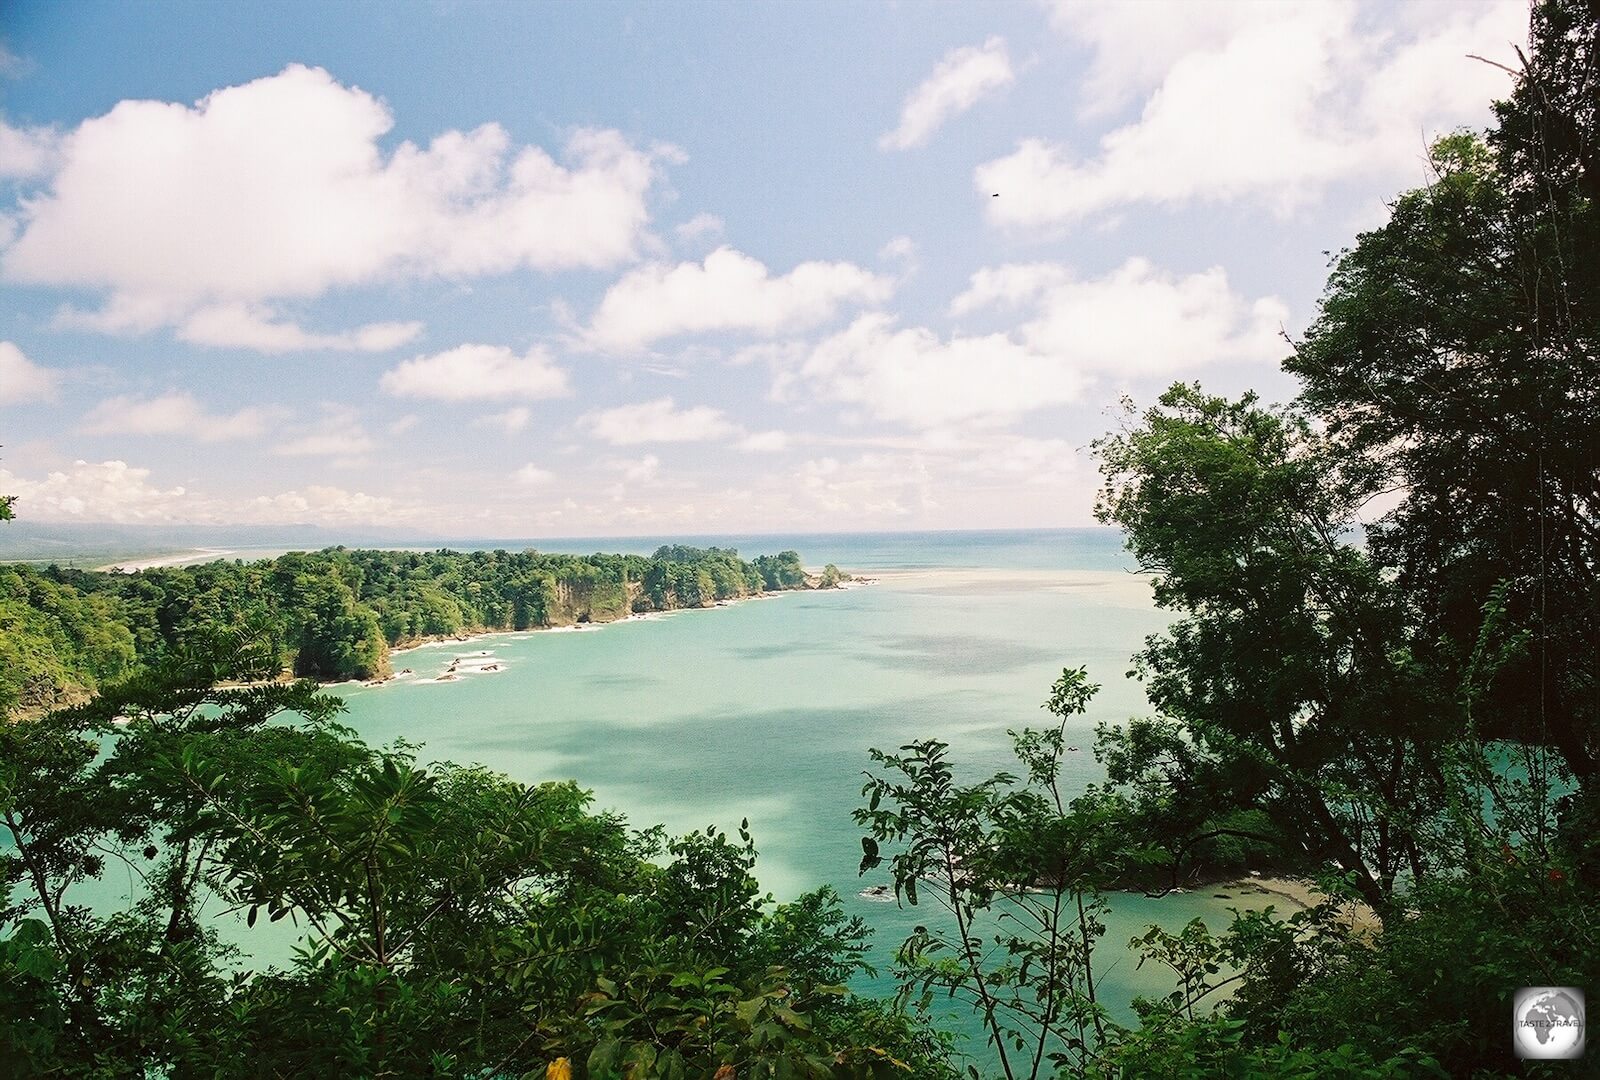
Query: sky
[[517, 270]]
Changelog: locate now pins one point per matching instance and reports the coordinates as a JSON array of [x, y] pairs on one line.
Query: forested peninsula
[[337, 614]]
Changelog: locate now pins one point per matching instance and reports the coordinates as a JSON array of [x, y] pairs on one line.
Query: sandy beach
[[198, 555]]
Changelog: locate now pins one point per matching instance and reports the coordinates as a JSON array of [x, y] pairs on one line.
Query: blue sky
[[563, 269]]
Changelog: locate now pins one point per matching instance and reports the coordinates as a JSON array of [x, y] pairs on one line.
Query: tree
[[1419, 696], [1292, 669], [450, 921], [1455, 353], [1019, 871]]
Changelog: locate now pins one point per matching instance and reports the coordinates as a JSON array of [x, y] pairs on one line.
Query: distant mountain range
[[96, 544]]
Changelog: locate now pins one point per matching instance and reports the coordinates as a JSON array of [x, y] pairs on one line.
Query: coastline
[[1304, 895], [194, 555], [477, 635], [1297, 891]]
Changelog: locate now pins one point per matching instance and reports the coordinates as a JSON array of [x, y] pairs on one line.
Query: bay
[[766, 709]]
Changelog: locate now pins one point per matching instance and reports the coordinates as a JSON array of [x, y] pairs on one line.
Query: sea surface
[[766, 709]]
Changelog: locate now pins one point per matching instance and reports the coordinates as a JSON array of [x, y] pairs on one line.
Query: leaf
[[869, 857], [603, 1058]]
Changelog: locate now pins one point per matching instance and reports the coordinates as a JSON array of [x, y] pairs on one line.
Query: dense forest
[[334, 615], [1382, 669]]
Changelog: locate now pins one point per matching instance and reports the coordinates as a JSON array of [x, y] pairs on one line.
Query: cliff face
[[580, 601]]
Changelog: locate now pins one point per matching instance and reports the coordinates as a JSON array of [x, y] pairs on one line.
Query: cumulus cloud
[[174, 413], [119, 493], [1167, 30], [319, 504], [111, 491], [21, 380], [657, 421], [1272, 104], [911, 376], [901, 249], [533, 476], [1138, 321], [27, 152], [1134, 322], [943, 476], [638, 470], [279, 189], [729, 291], [251, 326], [1008, 286], [959, 81], [873, 485], [478, 372]]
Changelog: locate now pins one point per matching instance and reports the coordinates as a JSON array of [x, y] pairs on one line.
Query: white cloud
[[1166, 31], [478, 372], [1138, 321], [251, 326], [1007, 286], [533, 476], [639, 470], [1133, 322], [22, 380], [960, 80], [116, 492], [657, 421], [911, 376], [318, 504], [702, 226], [110, 491], [339, 444], [1271, 104], [942, 478], [510, 421], [765, 442], [730, 291], [27, 152], [174, 413], [899, 249], [279, 189], [880, 486]]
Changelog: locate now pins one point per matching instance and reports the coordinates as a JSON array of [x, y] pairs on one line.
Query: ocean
[[766, 709]]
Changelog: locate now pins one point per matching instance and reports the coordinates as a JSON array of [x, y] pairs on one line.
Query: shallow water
[[766, 709]]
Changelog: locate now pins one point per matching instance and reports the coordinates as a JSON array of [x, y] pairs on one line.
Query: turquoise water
[[766, 709]]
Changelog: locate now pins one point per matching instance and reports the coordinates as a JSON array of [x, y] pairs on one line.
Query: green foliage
[[52, 636], [1019, 872], [449, 921], [781, 571], [334, 615], [1216, 1046], [1408, 710], [1411, 707], [1294, 678], [1455, 354]]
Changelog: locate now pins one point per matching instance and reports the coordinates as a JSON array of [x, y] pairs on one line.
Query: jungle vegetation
[[1381, 670], [334, 615]]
